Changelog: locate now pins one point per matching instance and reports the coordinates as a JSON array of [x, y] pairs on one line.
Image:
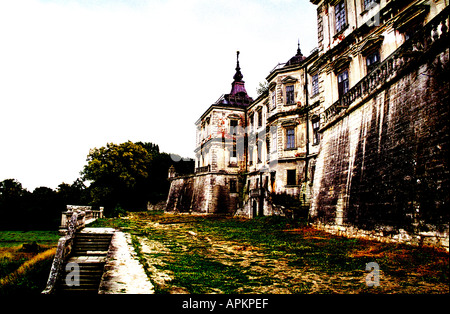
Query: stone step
[[105, 244], [85, 260], [92, 247], [88, 270], [89, 253], [78, 252], [92, 241], [78, 291], [90, 266], [93, 250], [83, 280], [93, 236], [81, 241], [87, 280]]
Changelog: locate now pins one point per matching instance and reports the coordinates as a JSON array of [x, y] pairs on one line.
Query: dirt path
[[123, 273]]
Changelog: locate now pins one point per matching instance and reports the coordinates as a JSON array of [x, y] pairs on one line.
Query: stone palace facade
[[354, 136]]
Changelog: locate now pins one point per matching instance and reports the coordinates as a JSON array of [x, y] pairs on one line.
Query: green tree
[[263, 88], [118, 173]]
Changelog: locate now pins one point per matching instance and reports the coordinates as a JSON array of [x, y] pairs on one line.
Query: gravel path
[[123, 273]]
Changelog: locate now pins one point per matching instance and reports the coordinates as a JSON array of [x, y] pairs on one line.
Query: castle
[[355, 135]]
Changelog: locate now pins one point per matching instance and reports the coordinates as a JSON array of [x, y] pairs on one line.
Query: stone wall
[[383, 165], [203, 193]]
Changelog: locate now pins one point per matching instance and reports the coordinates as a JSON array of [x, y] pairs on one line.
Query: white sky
[[77, 74]]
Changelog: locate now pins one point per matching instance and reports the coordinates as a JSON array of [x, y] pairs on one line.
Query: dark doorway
[[255, 208]]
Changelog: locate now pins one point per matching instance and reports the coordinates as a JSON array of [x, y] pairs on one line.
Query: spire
[[298, 58], [238, 75], [299, 52], [238, 94]]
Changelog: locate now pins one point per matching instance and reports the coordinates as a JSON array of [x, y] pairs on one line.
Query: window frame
[[273, 97], [315, 122], [233, 128], [273, 143], [251, 120], [315, 84], [291, 177], [260, 118], [259, 145], [233, 186], [373, 64], [290, 94], [233, 151], [290, 138], [343, 85], [340, 17]]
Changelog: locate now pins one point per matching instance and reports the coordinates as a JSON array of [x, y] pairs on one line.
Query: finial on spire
[[237, 60], [238, 76], [299, 52]]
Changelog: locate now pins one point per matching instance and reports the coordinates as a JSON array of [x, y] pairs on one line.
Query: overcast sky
[[78, 74]]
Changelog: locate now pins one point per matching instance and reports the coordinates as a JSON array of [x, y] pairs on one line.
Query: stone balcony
[[433, 34]]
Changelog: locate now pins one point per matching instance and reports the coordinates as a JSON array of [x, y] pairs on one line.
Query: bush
[[292, 206]]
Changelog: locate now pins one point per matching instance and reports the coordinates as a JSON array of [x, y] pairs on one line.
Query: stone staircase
[[83, 270]]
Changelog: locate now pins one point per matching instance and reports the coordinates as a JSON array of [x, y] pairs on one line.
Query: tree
[[74, 194], [263, 88], [118, 172], [13, 201], [130, 175], [43, 210]]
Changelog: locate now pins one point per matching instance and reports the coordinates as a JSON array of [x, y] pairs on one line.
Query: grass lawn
[[22, 271], [217, 254]]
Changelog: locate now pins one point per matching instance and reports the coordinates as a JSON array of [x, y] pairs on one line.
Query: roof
[[297, 59], [238, 95]]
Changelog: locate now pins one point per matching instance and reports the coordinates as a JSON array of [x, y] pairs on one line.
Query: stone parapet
[[390, 235]]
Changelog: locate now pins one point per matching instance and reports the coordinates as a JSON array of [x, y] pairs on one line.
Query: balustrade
[[85, 214], [435, 32], [203, 169]]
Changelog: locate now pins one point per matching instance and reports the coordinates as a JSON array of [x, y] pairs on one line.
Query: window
[[233, 127], [291, 177], [233, 152], [290, 138], [274, 100], [343, 85], [250, 155], [289, 94], [313, 170], [315, 84], [259, 118], [259, 151], [340, 16], [372, 60], [233, 186], [207, 127], [273, 144], [316, 126]]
